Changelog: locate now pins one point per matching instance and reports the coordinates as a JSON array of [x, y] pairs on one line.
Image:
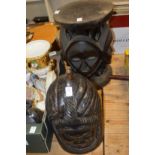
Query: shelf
[[33, 0]]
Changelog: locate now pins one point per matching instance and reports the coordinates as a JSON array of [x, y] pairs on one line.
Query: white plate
[[37, 48]]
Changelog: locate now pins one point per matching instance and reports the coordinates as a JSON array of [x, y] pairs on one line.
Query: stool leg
[[49, 10]]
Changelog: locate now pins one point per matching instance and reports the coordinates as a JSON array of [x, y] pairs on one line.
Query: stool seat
[[82, 12]]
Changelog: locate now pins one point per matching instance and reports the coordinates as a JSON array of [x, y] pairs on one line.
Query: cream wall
[[38, 8]]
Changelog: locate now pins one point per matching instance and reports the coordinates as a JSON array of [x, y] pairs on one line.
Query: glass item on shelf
[[38, 83]]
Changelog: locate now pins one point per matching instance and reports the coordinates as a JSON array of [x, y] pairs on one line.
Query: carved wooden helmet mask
[[74, 110]]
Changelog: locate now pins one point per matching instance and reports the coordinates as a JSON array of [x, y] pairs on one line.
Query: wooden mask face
[[83, 55], [87, 49]]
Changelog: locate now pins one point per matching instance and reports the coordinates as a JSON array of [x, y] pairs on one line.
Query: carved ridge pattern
[[76, 119]]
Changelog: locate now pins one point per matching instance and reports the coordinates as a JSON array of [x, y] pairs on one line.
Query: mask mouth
[[80, 134], [81, 139], [78, 138]]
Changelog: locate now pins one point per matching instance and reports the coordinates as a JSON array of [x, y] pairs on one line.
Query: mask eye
[[91, 60], [75, 59]]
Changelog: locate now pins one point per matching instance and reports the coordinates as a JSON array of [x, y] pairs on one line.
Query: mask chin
[[79, 140]]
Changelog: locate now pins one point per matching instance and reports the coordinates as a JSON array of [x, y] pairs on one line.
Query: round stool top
[[82, 12]]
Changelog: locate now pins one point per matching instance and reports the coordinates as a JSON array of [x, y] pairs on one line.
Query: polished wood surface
[[116, 109], [45, 31], [116, 117]]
